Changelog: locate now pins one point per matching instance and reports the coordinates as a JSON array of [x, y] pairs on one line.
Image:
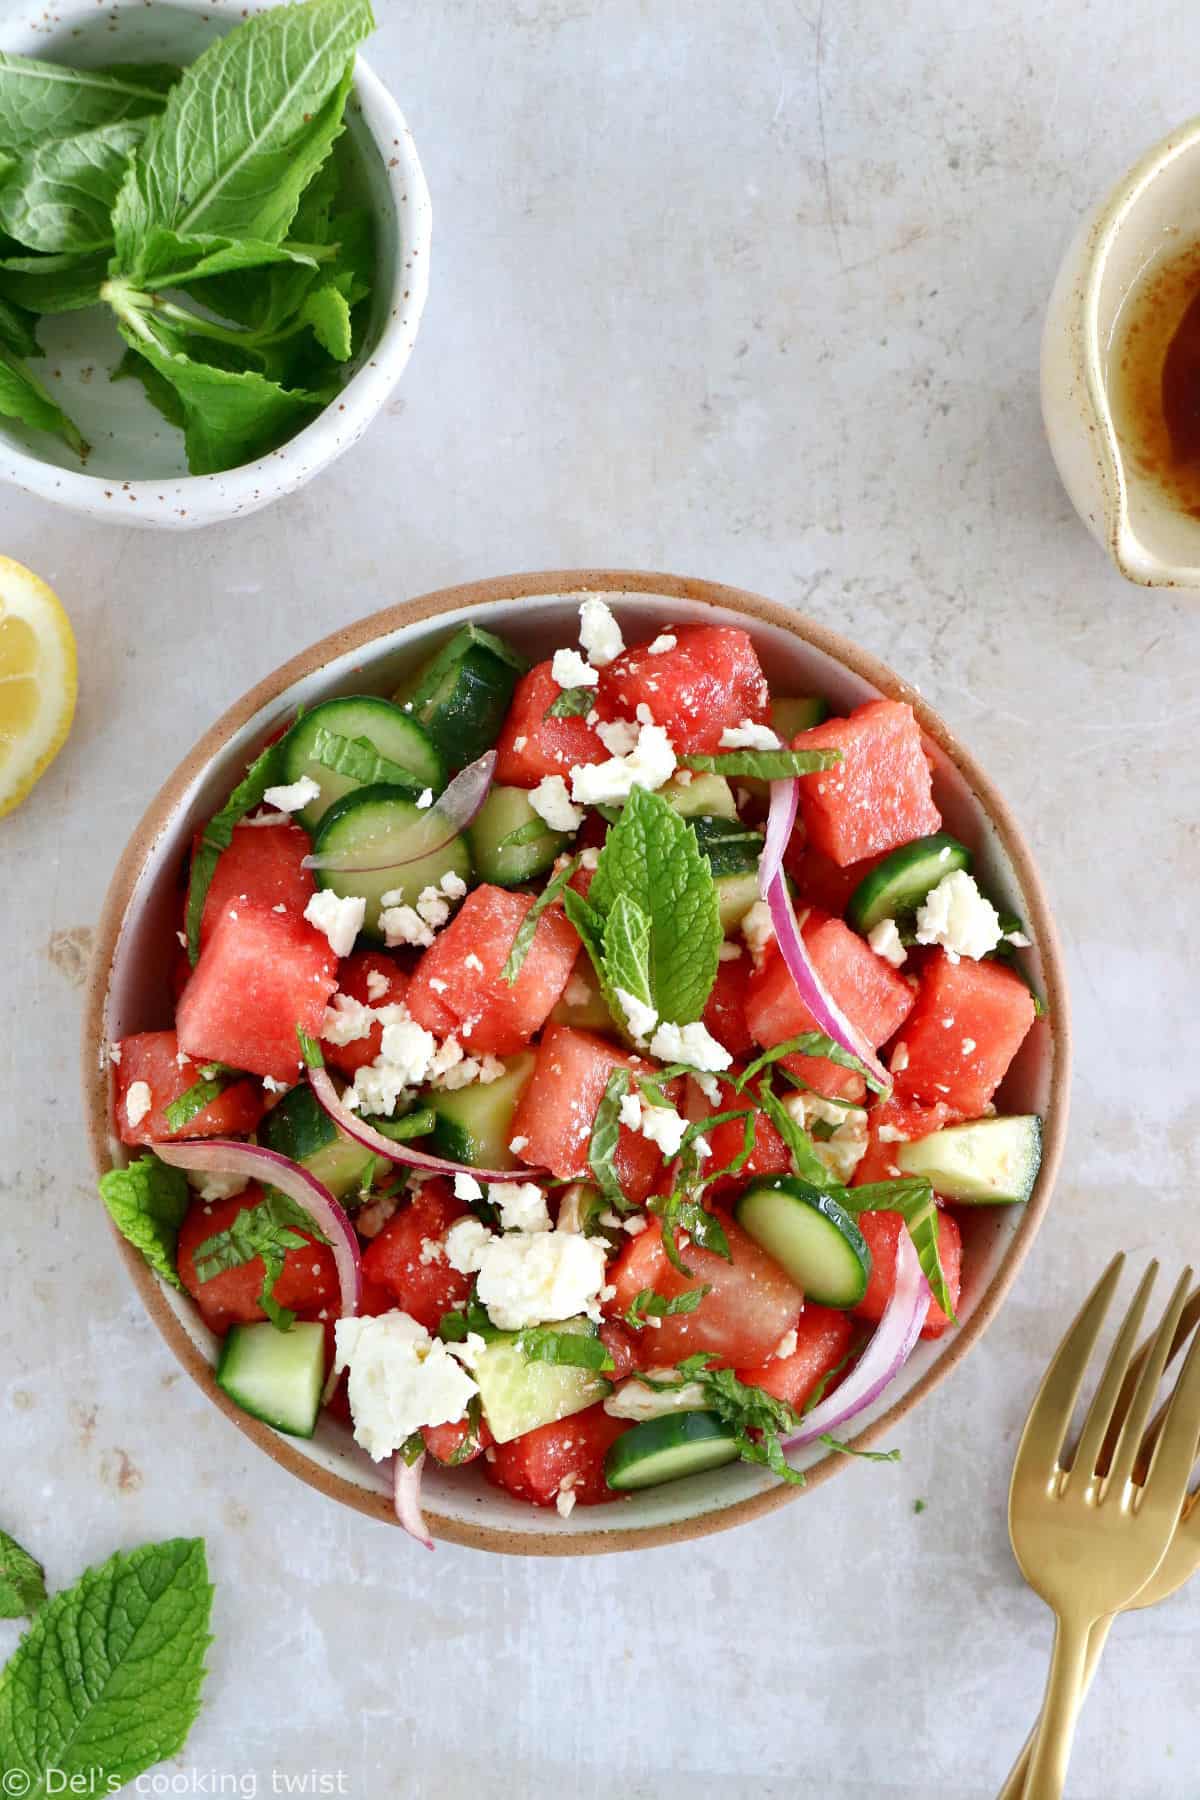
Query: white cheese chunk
[[522, 1205], [599, 633], [648, 765], [539, 1278], [884, 940], [339, 916], [292, 799], [570, 671], [138, 1102], [749, 736], [957, 916], [551, 801], [691, 1044], [400, 1379]]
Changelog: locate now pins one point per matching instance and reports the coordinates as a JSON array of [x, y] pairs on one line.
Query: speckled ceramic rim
[[516, 587]]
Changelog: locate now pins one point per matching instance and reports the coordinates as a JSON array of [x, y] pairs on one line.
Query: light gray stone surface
[[751, 292]]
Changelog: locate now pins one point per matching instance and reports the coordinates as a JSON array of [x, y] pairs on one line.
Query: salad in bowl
[[576, 1073]]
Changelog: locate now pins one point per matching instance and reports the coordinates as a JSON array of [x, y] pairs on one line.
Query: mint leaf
[[328, 313], [146, 1203], [41, 100], [107, 1680], [805, 1161], [758, 1420], [193, 1100], [264, 772], [527, 929], [764, 765], [572, 703], [23, 397], [627, 948], [18, 330], [245, 128], [412, 1125], [579, 1350], [602, 1146], [60, 194], [648, 1305], [590, 926], [528, 833], [360, 760], [268, 1230], [651, 854], [310, 1049], [832, 1443], [172, 258], [22, 1581], [807, 1043], [53, 284]]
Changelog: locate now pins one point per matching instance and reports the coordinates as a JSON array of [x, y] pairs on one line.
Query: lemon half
[[37, 680]]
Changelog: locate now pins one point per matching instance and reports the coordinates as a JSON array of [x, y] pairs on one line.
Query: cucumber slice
[[703, 794], [685, 1443], [461, 695], [505, 813], [898, 885], [731, 847], [811, 1237], [518, 1395], [404, 844], [275, 1376], [365, 721], [790, 716], [588, 1010], [474, 1124], [301, 1129], [989, 1162], [736, 894]]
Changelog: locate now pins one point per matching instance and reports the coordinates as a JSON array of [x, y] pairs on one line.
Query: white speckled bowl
[[130, 990], [136, 472]]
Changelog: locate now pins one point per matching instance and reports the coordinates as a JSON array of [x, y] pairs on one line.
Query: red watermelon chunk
[[262, 864], [882, 1232], [869, 991], [154, 1057], [459, 977], [557, 1109], [822, 1340], [819, 880], [566, 1456], [770, 1155], [260, 975], [531, 745], [360, 976], [307, 1284], [880, 796], [890, 1123], [969, 1021], [420, 1283], [725, 1012], [708, 680]]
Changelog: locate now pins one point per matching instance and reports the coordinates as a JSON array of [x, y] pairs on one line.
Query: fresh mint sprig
[[146, 1202], [22, 1581]]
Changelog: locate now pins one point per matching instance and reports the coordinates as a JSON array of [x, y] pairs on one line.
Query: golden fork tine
[[1175, 1452], [1143, 1396], [1064, 1378], [1100, 1412], [1188, 1320]]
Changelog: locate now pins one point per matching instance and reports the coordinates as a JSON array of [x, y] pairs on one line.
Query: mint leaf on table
[[65, 282], [107, 1680], [146, 1203], [245, 128], [59, 196], [22, 1581], [265, 771], [23, 397], [763, 765], [41, 100], [328, 313], [651, 855]]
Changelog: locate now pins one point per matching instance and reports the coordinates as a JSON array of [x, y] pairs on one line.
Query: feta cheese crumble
[[634, 1400], [787, 1344], [640, 1017], [466, 1241], [400, 1379], [212, 1187], [663, 1126], [346, 1020], [138, 1102], [884, 940], [522, 1205], [570, 671], [291, 799], [842, 1152], [339, 917], [618, 736], [649, 764], [749, 736], [377, 985], [629, 1113], [403, 924], [425, 798], [551, 801], [599, 633], [757, 929], [467, 1188], [691, 1044], [664, 642], [539, 1278], [957, 916]]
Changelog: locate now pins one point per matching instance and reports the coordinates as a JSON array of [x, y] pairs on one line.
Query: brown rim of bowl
[[517, 587]]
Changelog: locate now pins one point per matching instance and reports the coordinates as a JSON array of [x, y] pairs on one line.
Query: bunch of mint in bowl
[[213, 255]]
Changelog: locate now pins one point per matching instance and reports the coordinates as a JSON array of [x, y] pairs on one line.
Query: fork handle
[[1056, 1729], [1014, 1787]]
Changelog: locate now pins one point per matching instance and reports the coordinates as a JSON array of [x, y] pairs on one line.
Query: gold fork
[[1087, 1541], [1183, 1553]]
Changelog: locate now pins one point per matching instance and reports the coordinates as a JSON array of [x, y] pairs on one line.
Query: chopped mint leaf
[[746, 1410], [832, 1443], [360, 760], [648, 1305], [808, 1043], [411, 1125], [912, 1197], [310, 1049], [22, 1581], [264, 772], [572, 703], [602, 1147], [627, 948], [764, 765], [454, 1326], [918, 1506], [528, 833], [268, 1230], [107, 1680], [679, 1211], [805, 1161], [527, 929], [578, 1349], [146, 1203], [193, 1100]]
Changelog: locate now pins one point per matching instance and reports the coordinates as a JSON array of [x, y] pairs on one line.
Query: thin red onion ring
[[229, 1156], [370, 1139], [887, 1352], [454, 808], [824, 1008], [407, 1495], [781, 818]]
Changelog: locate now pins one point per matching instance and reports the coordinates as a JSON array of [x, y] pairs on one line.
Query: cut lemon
[[37, 680]]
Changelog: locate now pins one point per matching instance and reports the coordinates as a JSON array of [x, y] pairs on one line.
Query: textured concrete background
[[753, 292]]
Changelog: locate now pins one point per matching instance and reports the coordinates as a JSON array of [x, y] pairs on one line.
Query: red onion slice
[[824, 1008], [887, 1352], [781, 818], [451, 812], [408, 1498], [229, 1156], [371, 1139]]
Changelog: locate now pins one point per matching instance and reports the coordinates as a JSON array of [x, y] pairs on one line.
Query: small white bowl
[[136, 471], [1153, 213]]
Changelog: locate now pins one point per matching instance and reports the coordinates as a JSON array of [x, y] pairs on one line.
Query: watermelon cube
[[890, 1123], [869, 991], [725, 1010], [260, 975], [531, 745], [421, 1285], [880, 795], [770, 1155], [154, 1057], [373, 978], [458, 984], [264, 864], [882, 1232], [558, 1108], [709, 679], [969, 1021], [822, 1340]]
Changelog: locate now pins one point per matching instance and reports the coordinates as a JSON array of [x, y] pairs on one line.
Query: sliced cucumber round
[[276, 1376], [505, 816], [392, 846], [709, 795], [736, 894], [730, 847], [344, 745], [989, 1162], [461, 695], [667, 1449], [474, 1124], [897, 886], [811, 1237]]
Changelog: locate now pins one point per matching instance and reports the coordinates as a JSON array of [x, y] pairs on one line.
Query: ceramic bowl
[[1152, 214], [136, 471], [130, 991]]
